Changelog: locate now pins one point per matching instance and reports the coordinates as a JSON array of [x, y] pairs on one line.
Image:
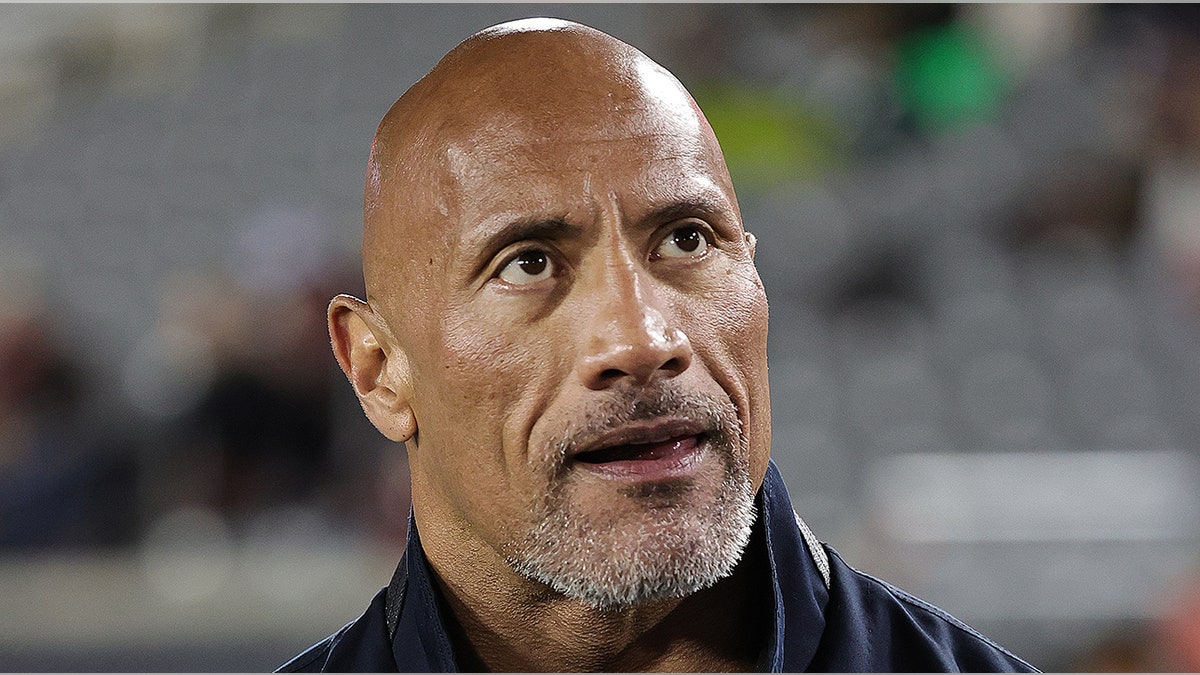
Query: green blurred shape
[[768, 140], [945, 78]]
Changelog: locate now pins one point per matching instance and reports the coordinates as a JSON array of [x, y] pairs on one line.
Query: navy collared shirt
[[828, 616]]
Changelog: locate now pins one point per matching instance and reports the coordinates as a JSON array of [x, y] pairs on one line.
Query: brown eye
[[527, 267], [683, 242]]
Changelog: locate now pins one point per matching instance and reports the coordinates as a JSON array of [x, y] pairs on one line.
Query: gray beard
[[673, 549]]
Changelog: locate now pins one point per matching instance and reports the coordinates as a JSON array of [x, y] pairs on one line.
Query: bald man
[[565, 327]]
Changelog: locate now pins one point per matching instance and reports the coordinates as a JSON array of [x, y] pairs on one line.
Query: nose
[[630, 335]]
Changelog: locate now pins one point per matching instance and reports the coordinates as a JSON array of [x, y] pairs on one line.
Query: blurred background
[[979, 228]]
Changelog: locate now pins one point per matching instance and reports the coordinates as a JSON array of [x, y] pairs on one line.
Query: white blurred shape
[[292, 552], [1023, 36], [1042, 537], [1037, 497], [187, 554]]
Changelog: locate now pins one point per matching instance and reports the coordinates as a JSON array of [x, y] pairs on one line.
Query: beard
[[652, 542]]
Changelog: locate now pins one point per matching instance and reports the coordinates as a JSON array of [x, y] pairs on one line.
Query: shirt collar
[[798, 574], [421, 643]]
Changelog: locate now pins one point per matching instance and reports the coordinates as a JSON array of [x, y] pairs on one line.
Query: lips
[[652, 452], [640, 452]]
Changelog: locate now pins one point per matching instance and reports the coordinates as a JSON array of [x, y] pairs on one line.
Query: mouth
[[654, 452]]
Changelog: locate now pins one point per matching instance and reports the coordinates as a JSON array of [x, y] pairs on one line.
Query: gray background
[[983, 311]]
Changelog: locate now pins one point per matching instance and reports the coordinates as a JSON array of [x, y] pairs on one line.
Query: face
[[585, 335]]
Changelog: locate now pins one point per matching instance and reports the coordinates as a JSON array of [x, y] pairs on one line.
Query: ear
[[377, 368], [752, 243]]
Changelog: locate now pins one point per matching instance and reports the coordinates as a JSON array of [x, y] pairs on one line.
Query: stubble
[[650, 541]]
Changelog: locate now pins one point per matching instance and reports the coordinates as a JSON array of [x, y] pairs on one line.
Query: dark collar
[[799, 573], [796, 567]]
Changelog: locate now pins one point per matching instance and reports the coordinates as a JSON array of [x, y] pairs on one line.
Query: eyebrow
[[700, 204], [485, 244]]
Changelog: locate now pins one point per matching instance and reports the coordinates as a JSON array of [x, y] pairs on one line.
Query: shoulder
[[360, 646], [872, 625], [313, 659]]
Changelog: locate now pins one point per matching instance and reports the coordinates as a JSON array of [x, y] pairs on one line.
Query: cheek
[[486, 375], [729, 329], [729, 320], [477, 362], [746, 319], [753, 343]]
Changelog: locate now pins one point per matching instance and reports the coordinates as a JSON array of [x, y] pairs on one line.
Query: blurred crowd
[[979, 227]]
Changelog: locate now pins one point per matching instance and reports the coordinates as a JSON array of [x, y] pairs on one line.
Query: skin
[[478, 369]]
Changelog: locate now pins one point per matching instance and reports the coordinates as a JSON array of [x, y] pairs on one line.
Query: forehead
[[632, 148], [631, 99]]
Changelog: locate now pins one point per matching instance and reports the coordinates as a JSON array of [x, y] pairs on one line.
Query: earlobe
[[377, 368]]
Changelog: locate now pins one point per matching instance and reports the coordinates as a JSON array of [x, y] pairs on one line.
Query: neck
[[504, 622], [713, 630]]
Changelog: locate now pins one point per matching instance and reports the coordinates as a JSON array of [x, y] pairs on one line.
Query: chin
[[613, 543]]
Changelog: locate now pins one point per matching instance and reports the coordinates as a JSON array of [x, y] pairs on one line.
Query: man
[[565, 326]]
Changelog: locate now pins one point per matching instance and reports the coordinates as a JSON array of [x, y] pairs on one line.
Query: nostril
[[611, 374], [675, 365]]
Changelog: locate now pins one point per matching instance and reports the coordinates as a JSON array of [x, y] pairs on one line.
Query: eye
[[527, 267], [683, 242]]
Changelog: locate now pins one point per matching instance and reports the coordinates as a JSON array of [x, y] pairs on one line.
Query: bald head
[[522, 82]]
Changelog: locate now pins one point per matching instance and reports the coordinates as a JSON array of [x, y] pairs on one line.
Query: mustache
[[716, 415]]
